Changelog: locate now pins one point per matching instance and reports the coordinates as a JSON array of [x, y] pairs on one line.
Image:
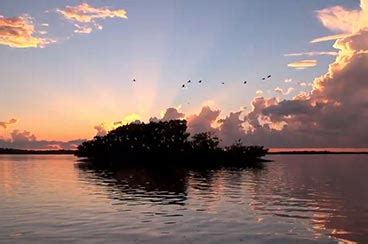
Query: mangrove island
[[165, 142]]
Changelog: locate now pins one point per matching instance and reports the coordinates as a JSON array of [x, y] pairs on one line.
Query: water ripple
[[293, 199]]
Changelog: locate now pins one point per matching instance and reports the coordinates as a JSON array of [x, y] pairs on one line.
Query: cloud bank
[[333, 113], [27, 140]]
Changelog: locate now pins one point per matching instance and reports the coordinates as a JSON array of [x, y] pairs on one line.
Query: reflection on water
[[139, 185], [330, 191], [296, 198]]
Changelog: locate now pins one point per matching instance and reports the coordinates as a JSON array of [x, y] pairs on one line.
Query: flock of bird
[[223, 83]]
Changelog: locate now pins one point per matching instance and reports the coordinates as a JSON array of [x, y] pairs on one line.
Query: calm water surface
[[296, 198]]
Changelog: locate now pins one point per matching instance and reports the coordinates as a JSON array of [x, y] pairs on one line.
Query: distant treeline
[[165, 142], [38, 152], [318, 152]]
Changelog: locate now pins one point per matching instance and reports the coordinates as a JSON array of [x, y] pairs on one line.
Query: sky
[[67, 69]]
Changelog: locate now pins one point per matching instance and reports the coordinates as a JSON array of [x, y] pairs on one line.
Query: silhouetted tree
[[205, 141], [239, 150], [159, 140]]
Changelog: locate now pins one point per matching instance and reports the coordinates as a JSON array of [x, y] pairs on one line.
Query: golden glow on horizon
[[319, 149], [131, 118]]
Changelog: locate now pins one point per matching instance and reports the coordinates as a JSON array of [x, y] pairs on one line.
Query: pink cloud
[[342, 21], [27, 140], [203, 122], [333, 113]]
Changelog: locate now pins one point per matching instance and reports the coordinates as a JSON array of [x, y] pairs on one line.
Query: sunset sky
[[67, 69]]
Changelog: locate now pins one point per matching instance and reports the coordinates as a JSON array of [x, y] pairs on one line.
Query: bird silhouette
[[200, 81], [269, 76], [263, 78], [223, 83], [189, 81], [134, 80], [245, 82], [183, 86]]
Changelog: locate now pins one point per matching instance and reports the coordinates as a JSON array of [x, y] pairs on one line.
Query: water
[[294, 199]]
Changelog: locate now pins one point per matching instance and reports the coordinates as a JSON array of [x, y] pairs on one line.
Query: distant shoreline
[[314, 152], [9, 151]]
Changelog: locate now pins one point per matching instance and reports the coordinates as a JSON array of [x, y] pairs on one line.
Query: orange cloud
[[303, 64], [19, 32], [84, 16]]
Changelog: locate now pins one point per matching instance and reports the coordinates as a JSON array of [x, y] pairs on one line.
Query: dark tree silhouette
[[162, 142], [205, 142], [239, 150]]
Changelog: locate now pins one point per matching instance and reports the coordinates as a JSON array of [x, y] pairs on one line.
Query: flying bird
[[263, 78], [245, 82], [183, 86], [200, 81], [189, 81], [269, 76], [223, 83], [134, 80]]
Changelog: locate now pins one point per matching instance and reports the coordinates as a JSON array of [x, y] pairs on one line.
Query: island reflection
[[157, 185], [314, 192]]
